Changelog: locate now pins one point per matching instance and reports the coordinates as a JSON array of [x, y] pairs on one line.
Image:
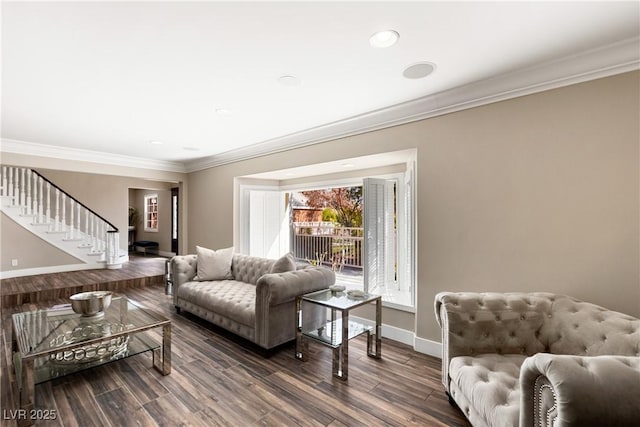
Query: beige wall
[[538, 193], [18, 243]]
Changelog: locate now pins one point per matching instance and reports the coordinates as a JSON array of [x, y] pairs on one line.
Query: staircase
[[47, 211]]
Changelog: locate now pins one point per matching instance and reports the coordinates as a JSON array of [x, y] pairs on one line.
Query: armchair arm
[[567, 390], [183, 269]]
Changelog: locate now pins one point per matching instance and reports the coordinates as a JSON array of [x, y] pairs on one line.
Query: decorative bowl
[[91, 303]]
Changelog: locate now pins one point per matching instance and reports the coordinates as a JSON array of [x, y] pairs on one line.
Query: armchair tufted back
[[584, 329], [529, 323], [507, 323]]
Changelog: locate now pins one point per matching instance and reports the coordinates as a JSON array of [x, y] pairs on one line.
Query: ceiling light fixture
[[156, 142], [419, 70], [288, 80], [222, 111], [385, 38]]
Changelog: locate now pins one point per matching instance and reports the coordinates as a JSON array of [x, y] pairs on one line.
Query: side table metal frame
[[340, 357]]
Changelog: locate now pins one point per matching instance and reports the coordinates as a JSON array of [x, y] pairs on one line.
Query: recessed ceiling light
[[156, 142], [222, 111], [347, 165], [385, 38], [288, 80], [419, 70]]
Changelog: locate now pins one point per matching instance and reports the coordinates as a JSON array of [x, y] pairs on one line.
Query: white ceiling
[[110, 77]]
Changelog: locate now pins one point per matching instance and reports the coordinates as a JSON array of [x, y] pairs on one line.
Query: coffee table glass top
[[63, 342]]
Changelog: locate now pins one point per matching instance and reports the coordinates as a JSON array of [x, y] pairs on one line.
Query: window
[[151, 212], [362, 228]]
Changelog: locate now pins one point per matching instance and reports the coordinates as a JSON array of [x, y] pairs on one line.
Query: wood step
[[137, 273]]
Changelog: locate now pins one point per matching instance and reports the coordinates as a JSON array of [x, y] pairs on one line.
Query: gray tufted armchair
[[539, 359]]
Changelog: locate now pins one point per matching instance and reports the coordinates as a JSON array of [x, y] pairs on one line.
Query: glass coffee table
[[337, 332], [51, 343]]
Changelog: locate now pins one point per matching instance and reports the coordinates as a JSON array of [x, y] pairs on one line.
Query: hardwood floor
[[219, 380], [140, 271]]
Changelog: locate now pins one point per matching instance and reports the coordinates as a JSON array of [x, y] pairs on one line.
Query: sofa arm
[[183, 269], [278, 288], [275, 307], [479, 323], [567, 390]]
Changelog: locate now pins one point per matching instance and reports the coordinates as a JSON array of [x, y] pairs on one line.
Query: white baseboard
[[46, 270], [432, 348], [421, 345]]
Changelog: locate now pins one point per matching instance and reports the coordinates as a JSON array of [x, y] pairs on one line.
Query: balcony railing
[[328, 244]]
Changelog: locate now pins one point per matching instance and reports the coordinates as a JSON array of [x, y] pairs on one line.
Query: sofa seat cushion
[[490, 383], [229, 298]]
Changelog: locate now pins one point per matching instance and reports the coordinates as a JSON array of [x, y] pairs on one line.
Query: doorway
[[174, 219]]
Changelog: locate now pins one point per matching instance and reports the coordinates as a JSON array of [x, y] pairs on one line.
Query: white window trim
[[241, 226]]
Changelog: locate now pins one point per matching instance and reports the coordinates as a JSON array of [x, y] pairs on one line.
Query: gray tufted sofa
[[255, 304], [539, 359]]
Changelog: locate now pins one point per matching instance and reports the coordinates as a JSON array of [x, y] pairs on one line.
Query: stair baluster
[[56, 223], [12, 186], [34, 197], [21, 202], [78, 221], [3, 181], [48, 212], [40, 202], [28, 199], [71, 233]]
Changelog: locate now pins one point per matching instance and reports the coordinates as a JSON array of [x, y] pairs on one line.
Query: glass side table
[[337, 332]]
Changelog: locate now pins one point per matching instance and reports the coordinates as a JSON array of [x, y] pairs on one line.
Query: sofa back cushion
[[585, 329], [214, 264], [249, 269]]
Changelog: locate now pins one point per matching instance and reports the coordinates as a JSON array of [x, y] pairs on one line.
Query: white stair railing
[[46, 204]]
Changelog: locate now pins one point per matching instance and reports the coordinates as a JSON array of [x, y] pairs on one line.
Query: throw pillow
[[214, 265], [285, 263]]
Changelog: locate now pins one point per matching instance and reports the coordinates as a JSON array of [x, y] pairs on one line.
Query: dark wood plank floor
[[219, 380]]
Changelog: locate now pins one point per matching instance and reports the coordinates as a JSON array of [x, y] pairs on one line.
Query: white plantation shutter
[[268, 224], [406, 214], [380, 240]]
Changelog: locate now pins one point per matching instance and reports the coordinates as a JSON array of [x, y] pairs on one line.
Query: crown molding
[[606, 61], [82, 155], [609, 60]]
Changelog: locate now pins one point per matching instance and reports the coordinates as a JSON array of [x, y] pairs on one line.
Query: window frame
[[406, 208], [148, 215]]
